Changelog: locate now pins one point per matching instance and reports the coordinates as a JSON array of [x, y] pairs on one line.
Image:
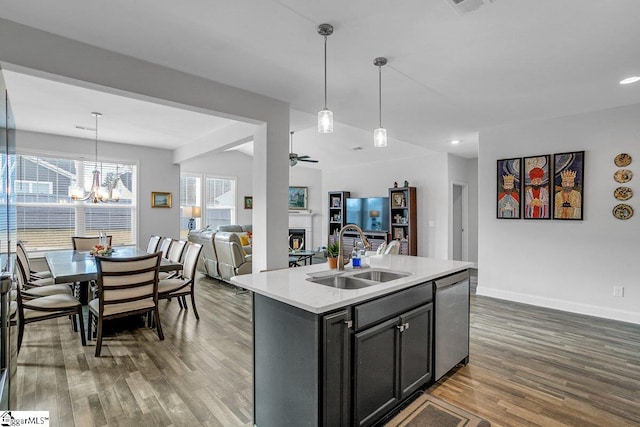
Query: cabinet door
[[415, 349], [375, 372], [337, 373]]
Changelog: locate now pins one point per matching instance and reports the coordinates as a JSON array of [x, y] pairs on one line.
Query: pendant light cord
[[325, 72], [380, 94], [96, 162]]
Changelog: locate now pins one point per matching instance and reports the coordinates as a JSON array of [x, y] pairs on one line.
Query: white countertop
[[290, 286]]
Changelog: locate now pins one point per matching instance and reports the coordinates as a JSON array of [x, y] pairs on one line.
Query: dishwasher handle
[[452, 280]]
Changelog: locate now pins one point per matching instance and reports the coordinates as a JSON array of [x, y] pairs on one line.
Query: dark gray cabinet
[[391, 361], [336, 410]]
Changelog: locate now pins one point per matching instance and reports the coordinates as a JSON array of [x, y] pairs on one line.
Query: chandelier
[[325, 116], [97, 193], [380, 134]]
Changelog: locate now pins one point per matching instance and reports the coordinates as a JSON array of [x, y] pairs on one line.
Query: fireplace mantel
[[303, 219]]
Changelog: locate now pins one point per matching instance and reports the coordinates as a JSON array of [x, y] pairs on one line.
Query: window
[[218, 203], [47, 217]]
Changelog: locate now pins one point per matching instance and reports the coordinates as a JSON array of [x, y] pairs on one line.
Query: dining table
[[72, 266]]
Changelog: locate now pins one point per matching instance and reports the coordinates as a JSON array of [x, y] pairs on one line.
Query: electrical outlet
[[618, 291]]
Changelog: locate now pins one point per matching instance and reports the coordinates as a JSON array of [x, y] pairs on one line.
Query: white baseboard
[[572, 307]]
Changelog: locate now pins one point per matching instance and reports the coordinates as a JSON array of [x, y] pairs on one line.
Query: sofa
[[209, 263], [244, 233]]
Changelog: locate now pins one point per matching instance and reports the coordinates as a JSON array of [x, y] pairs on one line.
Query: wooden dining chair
[[82, 243], [35, 288], [184, 284], [44, 308], [165, 245], [176, 251], [154, 242], [21, 254], [126, 287]]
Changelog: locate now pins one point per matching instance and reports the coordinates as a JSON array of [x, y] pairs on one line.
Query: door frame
[[465, 219]]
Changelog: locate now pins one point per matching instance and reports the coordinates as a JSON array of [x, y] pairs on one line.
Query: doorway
[[459, 249]]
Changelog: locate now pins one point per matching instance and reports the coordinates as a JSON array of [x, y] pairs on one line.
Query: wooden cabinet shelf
[[403, 217], [337, 217]]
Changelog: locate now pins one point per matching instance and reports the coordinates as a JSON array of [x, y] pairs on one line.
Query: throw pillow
[[244, 241]]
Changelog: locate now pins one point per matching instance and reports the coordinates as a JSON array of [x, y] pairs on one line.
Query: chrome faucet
[[365, 242]]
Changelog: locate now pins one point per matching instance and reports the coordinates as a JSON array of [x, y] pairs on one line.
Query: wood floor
[[529, 367]]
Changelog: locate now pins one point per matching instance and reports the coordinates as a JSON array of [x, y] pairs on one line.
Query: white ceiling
[[448, 76]]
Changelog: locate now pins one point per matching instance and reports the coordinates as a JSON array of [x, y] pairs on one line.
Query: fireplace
[[296, 239]]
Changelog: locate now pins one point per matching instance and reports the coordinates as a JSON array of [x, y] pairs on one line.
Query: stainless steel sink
[[356, 279], [380, 275], [343, 282]]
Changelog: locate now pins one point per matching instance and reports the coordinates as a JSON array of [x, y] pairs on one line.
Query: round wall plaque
[[622, 211], [623, 193], [623, 175], [622, 160]]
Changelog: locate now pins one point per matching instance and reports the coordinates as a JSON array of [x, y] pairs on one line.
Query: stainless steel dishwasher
[[451, 322]]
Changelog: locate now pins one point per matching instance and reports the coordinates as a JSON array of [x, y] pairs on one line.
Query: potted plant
[[332, 254]]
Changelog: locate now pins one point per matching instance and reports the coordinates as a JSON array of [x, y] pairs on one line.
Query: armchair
[[232, 260]]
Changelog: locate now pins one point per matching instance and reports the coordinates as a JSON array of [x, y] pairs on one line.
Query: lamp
[[374, 214], [192, 212], [96, 193], [380, 134], [325, 116]]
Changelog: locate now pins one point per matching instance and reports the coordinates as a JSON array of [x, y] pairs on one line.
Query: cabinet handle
[[349, 324], [403, 327]]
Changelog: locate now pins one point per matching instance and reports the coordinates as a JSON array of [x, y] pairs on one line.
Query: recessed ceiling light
[[629, 80], [455, 141]]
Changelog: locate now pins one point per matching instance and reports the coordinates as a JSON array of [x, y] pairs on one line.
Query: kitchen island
[[329, 356]]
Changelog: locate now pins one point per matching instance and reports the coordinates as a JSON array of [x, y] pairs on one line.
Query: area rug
[[429, 411]]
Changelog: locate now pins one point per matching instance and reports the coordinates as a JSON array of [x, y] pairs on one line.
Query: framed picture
[[335, 202], [568, 189], [248, 202], [160, 199], [508, 189], [298, 198], [398, 233], [537, 187], [397, 200]]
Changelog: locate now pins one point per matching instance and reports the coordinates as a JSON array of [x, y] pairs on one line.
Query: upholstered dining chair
[[126, 287], [154, 242], [165, 244], [44, 308], [176, 251], [81, 243], [21, 253], [393, 247], [184, 284], [34, 288]]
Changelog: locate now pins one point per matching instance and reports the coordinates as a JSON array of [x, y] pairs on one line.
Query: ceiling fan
[[294, 158]]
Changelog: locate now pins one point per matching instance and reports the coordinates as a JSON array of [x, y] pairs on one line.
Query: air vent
[[357, 148], [466, 6]]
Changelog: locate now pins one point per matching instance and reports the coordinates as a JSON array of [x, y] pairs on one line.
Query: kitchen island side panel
[[286, 360]]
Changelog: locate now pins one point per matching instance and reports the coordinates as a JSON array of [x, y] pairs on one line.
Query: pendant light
[[380, 134], [325, 116], [96, 193]]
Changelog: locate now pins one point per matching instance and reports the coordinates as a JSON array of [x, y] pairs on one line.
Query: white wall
[[428, 174], [312, 179], [569, 265], [156, 172], [472, 165]]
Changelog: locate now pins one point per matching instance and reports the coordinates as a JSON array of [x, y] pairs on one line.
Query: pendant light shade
[[380, 134], [325, 116]]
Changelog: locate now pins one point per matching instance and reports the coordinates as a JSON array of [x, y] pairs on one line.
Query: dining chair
[[164, 246], [82, 243], [34, 288], [126, 287], [44, 308], [21, 253], [184, 284], [393, 247], [176, 251], [154, 242]]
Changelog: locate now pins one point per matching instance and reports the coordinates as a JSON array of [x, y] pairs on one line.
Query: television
[[369, 213]]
